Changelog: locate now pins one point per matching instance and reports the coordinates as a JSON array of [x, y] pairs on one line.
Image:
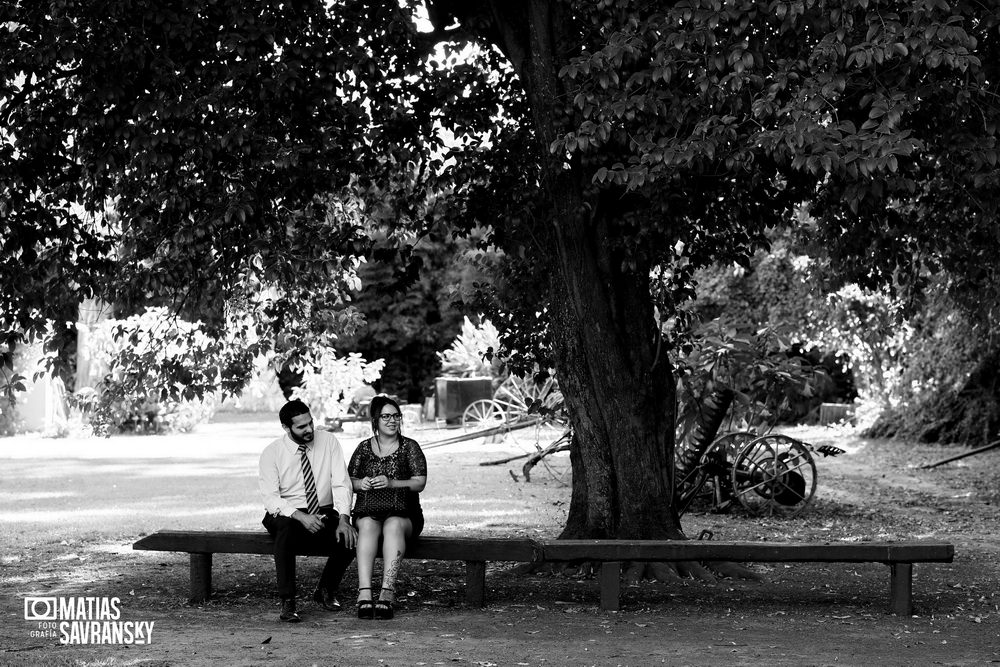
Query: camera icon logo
[[41, 609]]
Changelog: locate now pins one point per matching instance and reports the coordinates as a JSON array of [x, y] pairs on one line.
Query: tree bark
[[618, 385]]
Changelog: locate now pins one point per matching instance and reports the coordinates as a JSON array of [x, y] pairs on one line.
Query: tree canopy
[[611, 147]]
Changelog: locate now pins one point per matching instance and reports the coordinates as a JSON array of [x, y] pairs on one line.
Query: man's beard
[[302, 440]]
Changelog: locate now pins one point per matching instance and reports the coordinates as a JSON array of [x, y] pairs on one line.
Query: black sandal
[[366, 608], [383, 608]]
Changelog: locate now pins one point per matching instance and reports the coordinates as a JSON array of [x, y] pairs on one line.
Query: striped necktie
[[310, 482]]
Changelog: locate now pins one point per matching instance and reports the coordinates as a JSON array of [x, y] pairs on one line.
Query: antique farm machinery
[[515, 400], [767, 474]]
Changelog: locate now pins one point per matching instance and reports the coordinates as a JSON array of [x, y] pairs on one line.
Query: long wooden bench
[[899, 556], [477, 551]]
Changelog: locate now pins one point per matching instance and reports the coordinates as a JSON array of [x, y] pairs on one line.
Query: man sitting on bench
[[307, 494]]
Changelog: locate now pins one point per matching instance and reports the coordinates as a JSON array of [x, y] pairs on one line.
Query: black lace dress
[[406, 462]]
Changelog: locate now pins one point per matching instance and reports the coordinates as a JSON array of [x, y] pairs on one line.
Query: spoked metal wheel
[[523, 396], [710, 479], [774, 476], [484, 413]]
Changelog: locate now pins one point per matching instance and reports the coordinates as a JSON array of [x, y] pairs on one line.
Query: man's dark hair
[[291, 410]]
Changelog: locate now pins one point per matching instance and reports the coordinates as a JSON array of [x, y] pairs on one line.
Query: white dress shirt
[[280, 479]]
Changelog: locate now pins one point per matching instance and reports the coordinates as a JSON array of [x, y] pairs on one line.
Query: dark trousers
[[290, 537]]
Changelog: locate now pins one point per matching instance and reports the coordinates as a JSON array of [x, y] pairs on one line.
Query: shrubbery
[[164, 374], [769, 381], [329, 382], [161, 373], [473, 352]]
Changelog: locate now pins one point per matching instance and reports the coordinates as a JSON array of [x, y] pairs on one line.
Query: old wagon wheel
[[710, 479], [524, 397], [484, 413], [774, 475]]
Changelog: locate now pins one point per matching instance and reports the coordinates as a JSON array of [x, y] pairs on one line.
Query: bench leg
[[475, 582], [201, 577], [901, 587], [610, 585]]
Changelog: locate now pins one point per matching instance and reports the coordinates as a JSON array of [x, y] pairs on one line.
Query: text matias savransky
[[85, 620]]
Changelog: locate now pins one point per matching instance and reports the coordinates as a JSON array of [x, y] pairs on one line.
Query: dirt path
[[68, 534]]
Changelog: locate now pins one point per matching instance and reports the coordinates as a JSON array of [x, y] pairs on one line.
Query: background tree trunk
[[617, 383], [621, 404]]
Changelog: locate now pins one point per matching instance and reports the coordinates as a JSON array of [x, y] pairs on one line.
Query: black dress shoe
[[288, 614], [326, 600]]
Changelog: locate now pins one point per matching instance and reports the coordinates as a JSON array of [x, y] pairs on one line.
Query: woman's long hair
[[379, 401]]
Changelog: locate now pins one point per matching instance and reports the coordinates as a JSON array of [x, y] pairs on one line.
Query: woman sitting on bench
[[388, 471]]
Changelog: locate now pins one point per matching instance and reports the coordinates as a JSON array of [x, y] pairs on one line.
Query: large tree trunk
[[617, 382], [621, 403]]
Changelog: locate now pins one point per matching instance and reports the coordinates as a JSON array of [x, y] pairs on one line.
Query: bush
[[473, 352], [329, 382], [10, 423], [161, 374], [10, 385], [771, 383]]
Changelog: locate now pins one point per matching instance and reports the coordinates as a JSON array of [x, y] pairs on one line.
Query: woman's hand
[[379, 482]]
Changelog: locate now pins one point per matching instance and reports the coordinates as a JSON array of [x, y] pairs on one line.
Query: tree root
[[695, 570], [633, 573], [730, 570], [663, 572]]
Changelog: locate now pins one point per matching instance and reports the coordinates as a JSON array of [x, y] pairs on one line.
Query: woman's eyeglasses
[[391, 418]]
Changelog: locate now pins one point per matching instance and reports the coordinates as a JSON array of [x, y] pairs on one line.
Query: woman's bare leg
[[369, 531], [395, 531]]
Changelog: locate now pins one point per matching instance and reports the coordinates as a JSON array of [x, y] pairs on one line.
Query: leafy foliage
[[473, 352], [600, 142], [789, 292], [752, 100], [944, 386], [768, 380], [407, 317], [161, 373], [10, 383], [329, 382], [172, 153]]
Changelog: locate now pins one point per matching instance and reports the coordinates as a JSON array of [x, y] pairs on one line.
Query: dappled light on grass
[[155, 510], [466, 521], [87, 551], [32, 496], [129, 469], [117, 489]]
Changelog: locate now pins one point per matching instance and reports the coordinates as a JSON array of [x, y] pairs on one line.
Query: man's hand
[[346, 532], [312, 522]]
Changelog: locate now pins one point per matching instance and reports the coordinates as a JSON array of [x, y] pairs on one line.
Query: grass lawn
[[74, 506]]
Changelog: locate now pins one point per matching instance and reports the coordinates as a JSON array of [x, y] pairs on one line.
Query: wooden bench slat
[[477, 551], [773, 552], [527, 550], [195, 541], [494, 549]]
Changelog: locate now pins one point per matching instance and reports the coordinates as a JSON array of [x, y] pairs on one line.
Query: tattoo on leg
[[391, 570]]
